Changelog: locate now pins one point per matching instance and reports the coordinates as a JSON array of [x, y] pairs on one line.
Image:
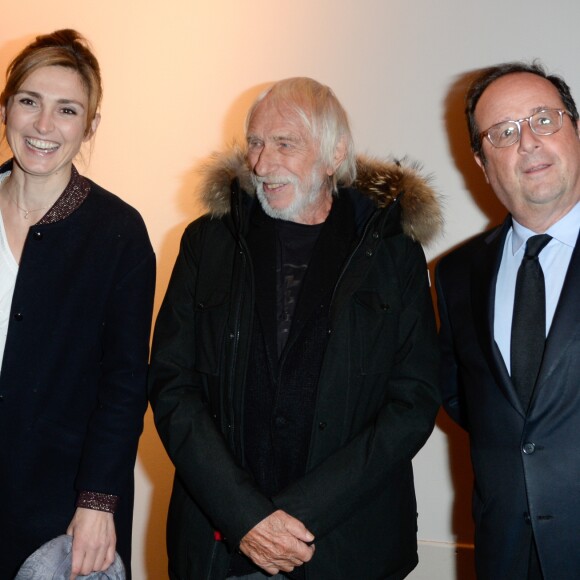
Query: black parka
[[377, 392]]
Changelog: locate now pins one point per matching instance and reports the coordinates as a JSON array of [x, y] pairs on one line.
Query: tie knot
[[536, 244]]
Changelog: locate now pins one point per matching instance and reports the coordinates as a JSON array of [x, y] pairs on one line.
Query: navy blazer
[[73, 378], [526, 466]]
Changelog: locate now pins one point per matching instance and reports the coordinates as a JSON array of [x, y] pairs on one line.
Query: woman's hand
[[94, 541]]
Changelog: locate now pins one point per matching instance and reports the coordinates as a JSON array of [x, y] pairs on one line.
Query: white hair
[[324, 117]]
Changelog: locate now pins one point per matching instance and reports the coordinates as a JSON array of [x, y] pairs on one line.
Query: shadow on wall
[[462, 481], [461, 475], [465, 563], [159, 470], [458, 136]]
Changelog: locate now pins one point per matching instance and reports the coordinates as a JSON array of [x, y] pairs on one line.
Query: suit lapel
[[566, 322], [484, 279]]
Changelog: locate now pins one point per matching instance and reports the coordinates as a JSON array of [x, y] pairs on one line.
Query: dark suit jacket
[[73, 377], [527, 467]]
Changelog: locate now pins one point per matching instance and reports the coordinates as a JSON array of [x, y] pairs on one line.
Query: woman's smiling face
[[46, 121]]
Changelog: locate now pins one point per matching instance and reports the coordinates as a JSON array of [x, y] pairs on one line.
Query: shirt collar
[[565, 230]]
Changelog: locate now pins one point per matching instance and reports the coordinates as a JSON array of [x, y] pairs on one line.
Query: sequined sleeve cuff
[[102, 502]]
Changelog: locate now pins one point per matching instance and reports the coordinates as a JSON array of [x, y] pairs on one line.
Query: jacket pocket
[[211, 316], [376, 318]]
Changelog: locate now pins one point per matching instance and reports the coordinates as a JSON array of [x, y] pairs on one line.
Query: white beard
[[304, 196]]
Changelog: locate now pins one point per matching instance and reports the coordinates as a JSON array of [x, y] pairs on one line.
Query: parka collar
[[381, 182]]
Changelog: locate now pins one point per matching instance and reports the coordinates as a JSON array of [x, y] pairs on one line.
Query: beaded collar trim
[[70, 199]]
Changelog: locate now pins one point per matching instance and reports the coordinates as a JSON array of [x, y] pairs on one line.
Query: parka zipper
[[244, 257], [236, 338]]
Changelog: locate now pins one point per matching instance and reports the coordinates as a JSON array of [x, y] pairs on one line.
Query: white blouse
[[8, 272]]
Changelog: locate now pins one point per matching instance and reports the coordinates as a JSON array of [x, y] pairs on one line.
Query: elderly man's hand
[[94, 541], [278, 543]]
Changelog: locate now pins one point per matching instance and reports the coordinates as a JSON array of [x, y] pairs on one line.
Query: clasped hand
[[278, 543]]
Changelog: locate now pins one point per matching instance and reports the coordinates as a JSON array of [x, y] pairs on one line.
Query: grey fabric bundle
[[53, 561]]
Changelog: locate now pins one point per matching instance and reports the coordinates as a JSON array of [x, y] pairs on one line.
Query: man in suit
[[512, 383]]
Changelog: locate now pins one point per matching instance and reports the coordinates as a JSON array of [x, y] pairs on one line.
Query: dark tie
[[529, 320]]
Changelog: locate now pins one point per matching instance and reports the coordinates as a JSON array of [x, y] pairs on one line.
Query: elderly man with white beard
[[295, 362]]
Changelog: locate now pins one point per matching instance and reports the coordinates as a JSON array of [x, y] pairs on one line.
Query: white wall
[[179, 75]]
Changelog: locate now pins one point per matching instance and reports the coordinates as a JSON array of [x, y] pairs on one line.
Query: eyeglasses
[[506, 133]]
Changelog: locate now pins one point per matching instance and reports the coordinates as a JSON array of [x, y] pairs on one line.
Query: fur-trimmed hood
[[380, 181]]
